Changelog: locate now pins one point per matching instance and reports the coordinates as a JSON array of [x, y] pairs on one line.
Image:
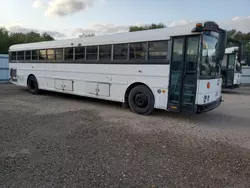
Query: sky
[[69, 18]]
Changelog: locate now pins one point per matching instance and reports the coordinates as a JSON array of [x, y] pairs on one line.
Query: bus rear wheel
[[33, 85], [141, 100]]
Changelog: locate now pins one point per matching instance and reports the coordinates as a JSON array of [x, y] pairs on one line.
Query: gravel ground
[[55, 140]]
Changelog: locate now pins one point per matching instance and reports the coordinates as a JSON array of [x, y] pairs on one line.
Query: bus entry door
[[183, 74], [229, 73]]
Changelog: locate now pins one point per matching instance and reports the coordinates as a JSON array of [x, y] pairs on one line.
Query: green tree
[[46, 37], [240, 36], [146, 27], [7, 39], [33, 36], [4, 40]]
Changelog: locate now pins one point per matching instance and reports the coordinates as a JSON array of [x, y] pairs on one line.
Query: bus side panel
[[116, 78]]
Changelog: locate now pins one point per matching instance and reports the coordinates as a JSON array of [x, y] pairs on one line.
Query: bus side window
[[20, 55], [68, 53], [51, 54], [13, 56], [59, 54], [34, 55], [105, 52], [42, 54], [120, 52], [158, 50], [91, 52], [138, 50], [79, 53], [28, 55]]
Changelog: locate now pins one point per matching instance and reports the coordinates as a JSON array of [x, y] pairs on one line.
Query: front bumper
[[209, 106]]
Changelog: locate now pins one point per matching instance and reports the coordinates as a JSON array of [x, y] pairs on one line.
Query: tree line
[[7, 39]]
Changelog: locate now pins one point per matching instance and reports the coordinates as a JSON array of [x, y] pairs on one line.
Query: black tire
[[33, 85], [141, 100]]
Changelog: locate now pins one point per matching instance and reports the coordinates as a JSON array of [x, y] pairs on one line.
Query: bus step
[[189, 85], [188, 94], [187, 103]]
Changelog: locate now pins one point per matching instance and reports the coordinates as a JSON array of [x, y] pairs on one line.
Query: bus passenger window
[[68, 54], [20, 55], [59, 54], [51, 54], [79, 53], [42, 54], [13, 56], [91, 52], [35, 54], [158, 50], [105, 52], [28, 55], [120, 52], [137, 51]]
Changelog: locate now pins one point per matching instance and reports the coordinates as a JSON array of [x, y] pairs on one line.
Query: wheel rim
[[140, 100]]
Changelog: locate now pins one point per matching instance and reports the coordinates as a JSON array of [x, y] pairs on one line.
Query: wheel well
[[29, 77], [131, 87]]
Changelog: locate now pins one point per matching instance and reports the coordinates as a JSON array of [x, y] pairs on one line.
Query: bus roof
[[127, 37], [231, 49]]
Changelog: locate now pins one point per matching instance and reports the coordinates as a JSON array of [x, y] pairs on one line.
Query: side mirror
[[221, 45]]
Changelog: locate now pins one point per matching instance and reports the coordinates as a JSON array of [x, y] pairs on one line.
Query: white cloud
[[17, 27], [101, 29], [67, 7], [177, 23], [38, 4], [235, 18], [55, 34], [240, 24]]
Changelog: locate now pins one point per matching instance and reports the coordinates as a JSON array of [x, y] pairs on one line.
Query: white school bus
[[169, 68], [231, 67]]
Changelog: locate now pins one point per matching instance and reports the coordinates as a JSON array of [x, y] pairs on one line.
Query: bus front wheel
[[33, 85], [141, 100]]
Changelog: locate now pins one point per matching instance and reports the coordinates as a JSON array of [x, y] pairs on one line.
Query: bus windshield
[[209, 67]]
